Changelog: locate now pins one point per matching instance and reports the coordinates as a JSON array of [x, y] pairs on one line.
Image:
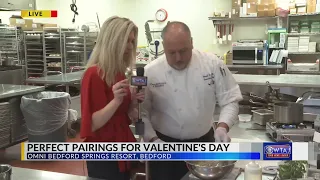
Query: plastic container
[[253, 171], [304, 30]]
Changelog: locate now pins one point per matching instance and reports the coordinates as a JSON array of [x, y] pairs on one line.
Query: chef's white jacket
[[181, 104]]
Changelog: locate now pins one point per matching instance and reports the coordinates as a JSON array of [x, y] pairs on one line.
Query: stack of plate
[[18, 124], [5, 124]]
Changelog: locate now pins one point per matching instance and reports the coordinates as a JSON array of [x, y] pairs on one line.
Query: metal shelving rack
[[303, 56], [77, 46], [53, 51], [11, 52], [34, 53]]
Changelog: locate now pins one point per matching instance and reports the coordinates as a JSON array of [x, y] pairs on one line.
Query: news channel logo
[[277, 151]]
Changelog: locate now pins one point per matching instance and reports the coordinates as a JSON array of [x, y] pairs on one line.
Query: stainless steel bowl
[[5, 172], [210, 170]]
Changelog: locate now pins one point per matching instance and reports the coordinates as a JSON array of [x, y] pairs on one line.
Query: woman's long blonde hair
[[111, 43]]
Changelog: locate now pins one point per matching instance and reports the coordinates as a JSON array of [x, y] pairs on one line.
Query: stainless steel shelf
[[240, 18], [53, 51], [34, 53], [11, 52], [304, 53], [303, 34], [77, 46], [304, 14]]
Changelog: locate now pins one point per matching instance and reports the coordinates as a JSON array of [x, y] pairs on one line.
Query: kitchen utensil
[[220, 34], [288, 113], [210, 170], [5, 172], [229, 36], [224, 38]]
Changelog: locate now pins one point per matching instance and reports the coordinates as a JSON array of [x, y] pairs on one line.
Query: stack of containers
[[304, 27], [304, 43], [294, 26], [293, 44], [315, 27]]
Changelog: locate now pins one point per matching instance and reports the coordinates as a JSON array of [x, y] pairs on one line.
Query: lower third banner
[[172, 156]]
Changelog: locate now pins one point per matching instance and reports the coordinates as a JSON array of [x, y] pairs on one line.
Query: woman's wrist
[[116, 102]]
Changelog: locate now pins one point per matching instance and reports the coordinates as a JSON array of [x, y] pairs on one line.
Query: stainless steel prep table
[[62, 79], [282, 80], [8, 90], [265, 67], [31, 174]]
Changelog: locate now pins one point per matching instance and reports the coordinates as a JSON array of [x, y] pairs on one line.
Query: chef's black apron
[[174, 170]]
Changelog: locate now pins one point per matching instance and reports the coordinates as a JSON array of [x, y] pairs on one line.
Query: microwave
[[248, 53]]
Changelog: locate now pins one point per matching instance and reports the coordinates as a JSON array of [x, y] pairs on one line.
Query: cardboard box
[[311, 8], [262, 7], [49, 25], [311, 2], [266, 7], [252, 8], [253, 1], [267, 13], [25, 24], [37, 26], [266, 2], [271, 13]]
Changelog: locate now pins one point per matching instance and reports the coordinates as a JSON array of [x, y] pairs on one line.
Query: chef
[[183, 88]]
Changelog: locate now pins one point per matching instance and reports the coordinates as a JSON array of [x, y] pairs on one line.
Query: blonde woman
[[106, 100]]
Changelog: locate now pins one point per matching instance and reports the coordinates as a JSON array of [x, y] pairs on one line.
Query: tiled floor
[[12, 156]]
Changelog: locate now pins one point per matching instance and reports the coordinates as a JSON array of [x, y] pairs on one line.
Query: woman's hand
[[135, 96], [120, 90]]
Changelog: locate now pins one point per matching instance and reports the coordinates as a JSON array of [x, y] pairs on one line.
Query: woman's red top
[[95, 95]]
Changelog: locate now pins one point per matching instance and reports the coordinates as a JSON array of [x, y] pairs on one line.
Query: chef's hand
[[120, 90], [135, 96], [221, 135]]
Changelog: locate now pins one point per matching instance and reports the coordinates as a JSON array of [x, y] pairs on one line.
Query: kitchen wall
[[194, 13]]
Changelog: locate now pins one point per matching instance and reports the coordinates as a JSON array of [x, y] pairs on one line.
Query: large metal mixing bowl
[[210, 170]]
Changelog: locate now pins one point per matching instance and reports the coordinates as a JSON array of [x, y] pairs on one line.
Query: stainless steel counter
[[65, 79], [282, 80], [256, 66], [31, 174], [8, 90]]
